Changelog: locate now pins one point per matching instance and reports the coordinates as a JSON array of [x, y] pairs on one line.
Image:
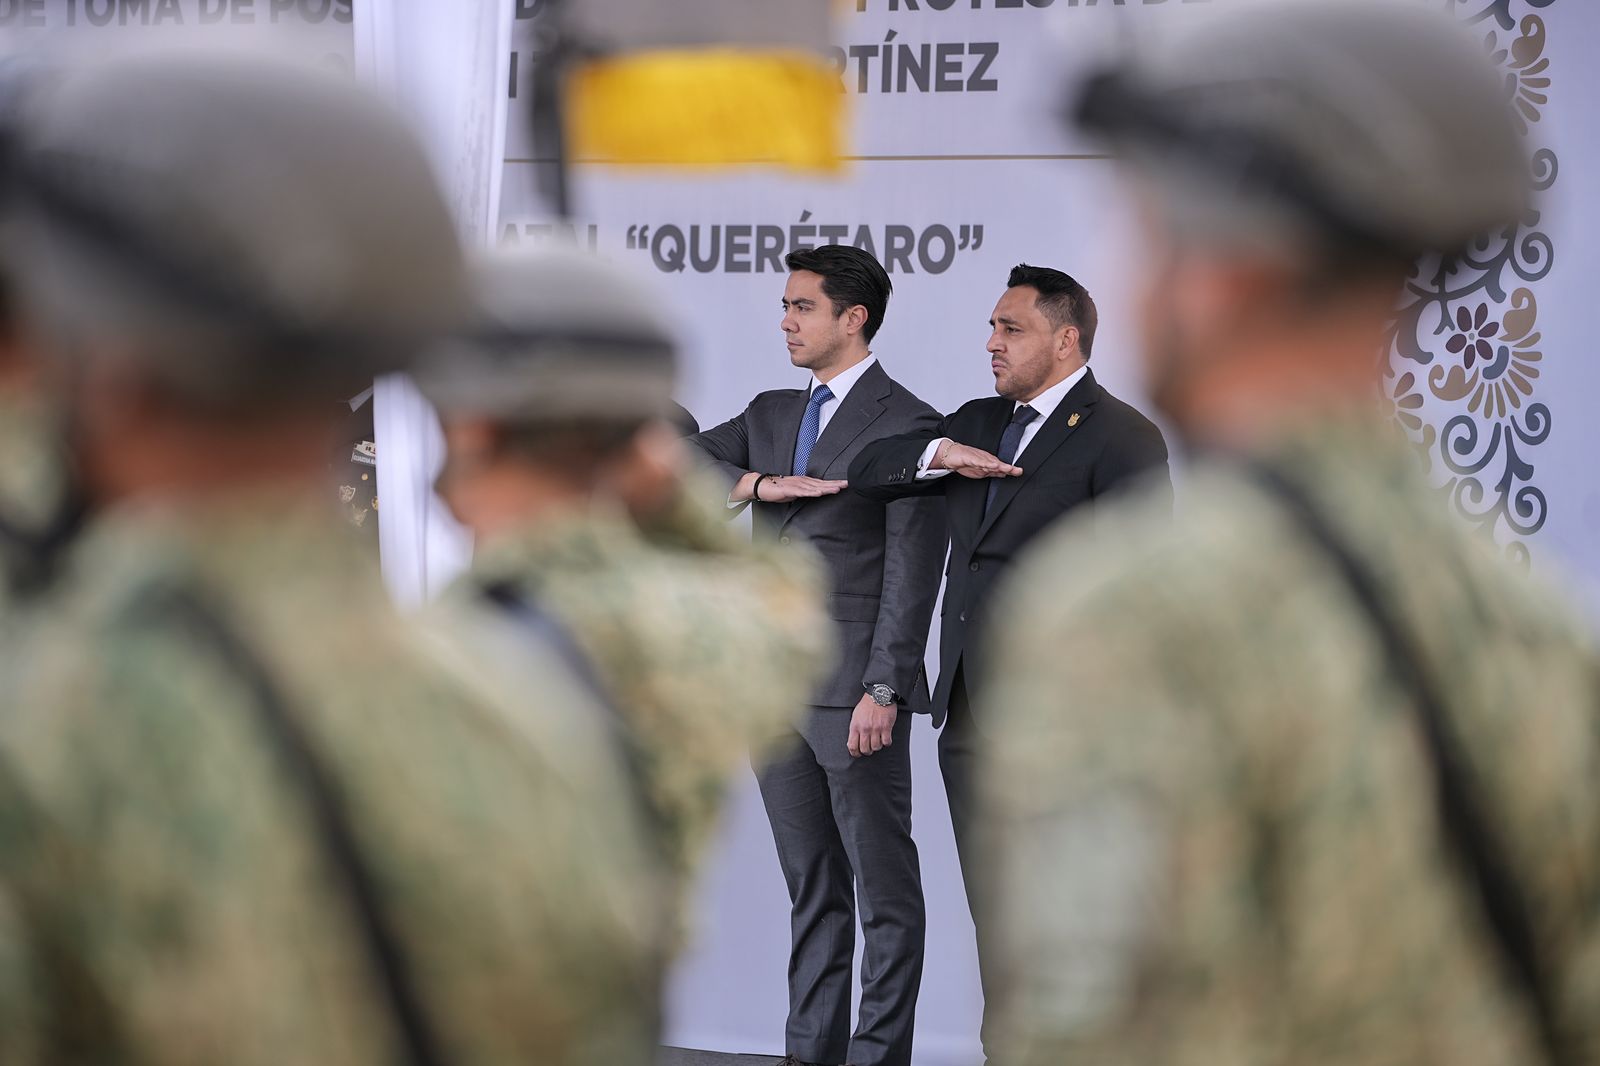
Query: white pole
[[448, 66]]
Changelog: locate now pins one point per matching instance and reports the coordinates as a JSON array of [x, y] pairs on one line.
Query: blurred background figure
[[1312, 776], [246, 814], [564, 459]]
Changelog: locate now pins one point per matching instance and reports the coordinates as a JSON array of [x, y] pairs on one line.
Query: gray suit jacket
[[884, 558]]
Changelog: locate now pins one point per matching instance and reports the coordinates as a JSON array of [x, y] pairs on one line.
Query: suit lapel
[[786, 429], [860, 408], [1075, 407]]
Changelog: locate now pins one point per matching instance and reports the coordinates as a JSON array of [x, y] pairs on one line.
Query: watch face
[[882, 695]]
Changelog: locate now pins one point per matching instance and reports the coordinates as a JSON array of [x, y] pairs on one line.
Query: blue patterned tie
[[1008, 447], [810, 426]]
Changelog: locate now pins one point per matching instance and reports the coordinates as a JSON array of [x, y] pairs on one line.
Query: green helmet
[[244, 227], [1371, 129], [560, 336]]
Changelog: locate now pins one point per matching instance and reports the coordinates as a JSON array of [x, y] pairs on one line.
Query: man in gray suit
[[839, 796]]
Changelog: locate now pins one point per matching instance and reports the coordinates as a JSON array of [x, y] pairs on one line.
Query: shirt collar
[[846, 380], [1048, 400]]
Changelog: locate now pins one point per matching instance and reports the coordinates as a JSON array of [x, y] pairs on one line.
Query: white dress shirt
[[840, 386], [1045, 403]]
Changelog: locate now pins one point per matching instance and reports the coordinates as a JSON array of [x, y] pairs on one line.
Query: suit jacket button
[[974, 568], [783, 540], [963, 616]]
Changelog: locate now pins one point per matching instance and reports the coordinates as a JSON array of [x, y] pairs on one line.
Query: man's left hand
[[971, 462], [871, 727]]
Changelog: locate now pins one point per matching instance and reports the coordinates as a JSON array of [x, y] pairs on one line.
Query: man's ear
[[855, 319], [1067, 341]]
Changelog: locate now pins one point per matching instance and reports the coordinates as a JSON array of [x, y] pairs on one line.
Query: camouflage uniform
[[166, 897], [677, 620], [1216, 822]]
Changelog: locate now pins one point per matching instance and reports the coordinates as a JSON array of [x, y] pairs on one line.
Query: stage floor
[[677, 1056]]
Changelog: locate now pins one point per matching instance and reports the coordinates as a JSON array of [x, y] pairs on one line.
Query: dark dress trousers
[[842, 825], [1091, 445]]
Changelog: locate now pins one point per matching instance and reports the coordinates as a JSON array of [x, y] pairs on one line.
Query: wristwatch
[[883, 695]]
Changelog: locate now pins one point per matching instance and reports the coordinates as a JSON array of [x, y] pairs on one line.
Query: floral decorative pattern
[[1468, 329], [1471, 342]]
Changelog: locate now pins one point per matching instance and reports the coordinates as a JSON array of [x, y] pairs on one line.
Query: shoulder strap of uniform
[[553, 636], [32, 556], [1468, 830], [391, 967]]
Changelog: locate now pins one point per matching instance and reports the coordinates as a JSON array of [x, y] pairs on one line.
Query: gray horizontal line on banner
[[847, 159]]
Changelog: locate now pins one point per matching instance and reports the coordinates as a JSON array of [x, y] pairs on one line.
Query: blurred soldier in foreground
[[35, 501], [33, 485], [1312, 776], [564, 461], [246, 814]]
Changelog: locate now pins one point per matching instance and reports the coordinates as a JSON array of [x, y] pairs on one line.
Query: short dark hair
[[849, 277], [1063, 301]]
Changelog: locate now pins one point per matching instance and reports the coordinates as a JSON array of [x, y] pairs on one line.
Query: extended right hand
[[789, 487], [967, 461], [786, 488]]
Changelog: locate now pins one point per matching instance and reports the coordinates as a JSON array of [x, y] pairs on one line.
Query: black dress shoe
[[790, 1060]]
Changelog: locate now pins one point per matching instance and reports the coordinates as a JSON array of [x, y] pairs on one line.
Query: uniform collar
[[573, 543]]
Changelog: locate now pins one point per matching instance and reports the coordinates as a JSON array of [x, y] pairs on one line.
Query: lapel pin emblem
[[1073, 420]]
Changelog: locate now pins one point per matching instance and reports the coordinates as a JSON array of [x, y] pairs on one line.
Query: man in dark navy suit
[[1053, 440], [839, 795]]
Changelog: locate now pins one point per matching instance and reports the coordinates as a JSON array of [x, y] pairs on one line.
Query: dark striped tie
[[1008, 447]]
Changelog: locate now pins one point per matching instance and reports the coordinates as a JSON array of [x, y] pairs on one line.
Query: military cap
[[243, 226], [559, 335], [1368, 127]]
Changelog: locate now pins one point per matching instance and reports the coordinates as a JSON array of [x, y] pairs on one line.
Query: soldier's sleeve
[[761, 629], [696, 519], [1091, 760], [601, 896], [108, 816], [777, 640], [52, 1008]]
